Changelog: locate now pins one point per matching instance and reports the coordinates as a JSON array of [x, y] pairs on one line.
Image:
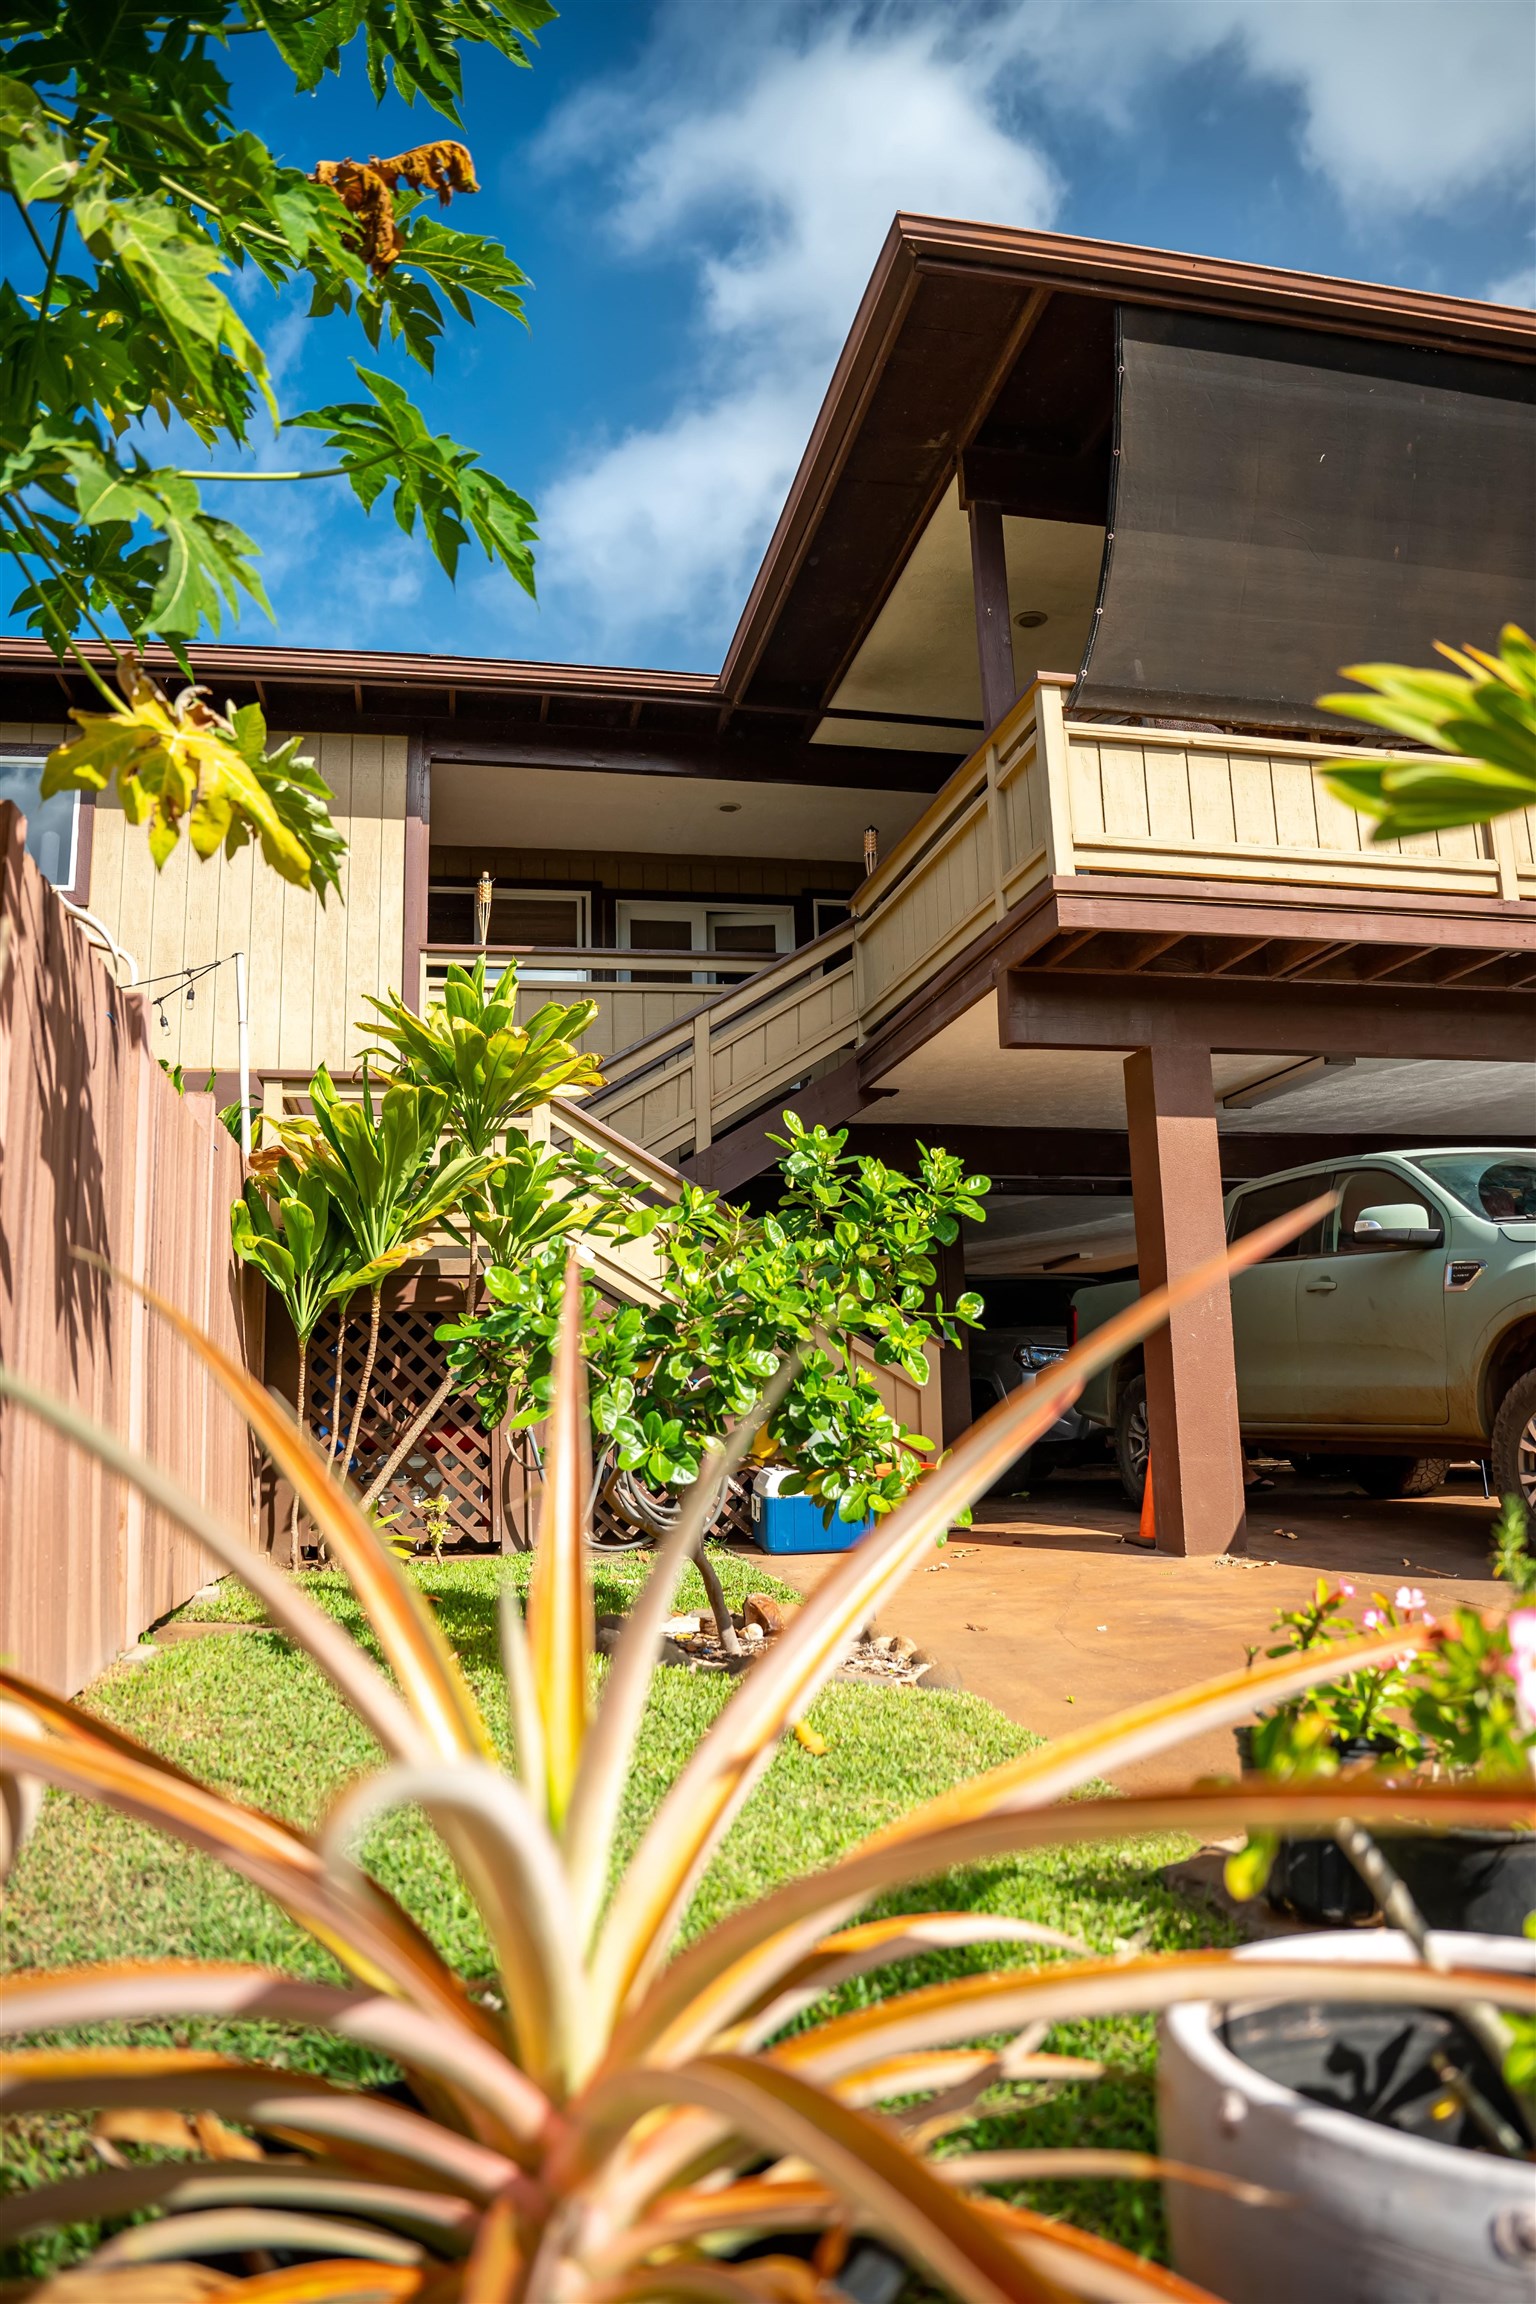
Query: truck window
[[1500, 1186], [1367, 1188], [1267, 1201]]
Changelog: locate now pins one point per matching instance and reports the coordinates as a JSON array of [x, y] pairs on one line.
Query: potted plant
[[1459, 1707]]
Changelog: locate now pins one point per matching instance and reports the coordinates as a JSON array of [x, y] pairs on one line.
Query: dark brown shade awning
[[1286, 504]]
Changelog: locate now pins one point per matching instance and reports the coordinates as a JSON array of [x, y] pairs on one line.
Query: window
[[1267, 1201], [1367, 1188], [538, 916], [1500, 1186], [828, 912], [739, 931], [53, 826]]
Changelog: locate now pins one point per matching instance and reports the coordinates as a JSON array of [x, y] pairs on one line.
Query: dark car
[[1001, 1360]]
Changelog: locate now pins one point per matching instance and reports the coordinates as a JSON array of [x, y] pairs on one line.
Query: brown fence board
[[97, 1151]]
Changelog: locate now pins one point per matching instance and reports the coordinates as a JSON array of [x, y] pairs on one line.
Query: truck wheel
[[1514, 1445], [1131, 1439], [1387, 1476]]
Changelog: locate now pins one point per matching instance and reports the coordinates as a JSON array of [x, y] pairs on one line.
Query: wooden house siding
[[311, 966]]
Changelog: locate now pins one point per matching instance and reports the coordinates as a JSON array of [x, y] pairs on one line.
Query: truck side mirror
[[1400, 1224]]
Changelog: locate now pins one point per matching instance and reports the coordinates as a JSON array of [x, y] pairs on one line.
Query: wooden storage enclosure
[[99, 1153]]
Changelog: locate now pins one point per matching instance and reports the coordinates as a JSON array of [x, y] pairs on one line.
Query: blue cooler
[[794, 1523]]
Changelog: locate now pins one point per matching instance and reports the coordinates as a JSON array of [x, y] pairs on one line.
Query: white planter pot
[[1379, 2217]]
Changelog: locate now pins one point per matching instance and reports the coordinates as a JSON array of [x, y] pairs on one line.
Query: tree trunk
[[302, 1405], [407, 1441], [342, 1310], [719, 1606], [425, 1414], [374, 1315]]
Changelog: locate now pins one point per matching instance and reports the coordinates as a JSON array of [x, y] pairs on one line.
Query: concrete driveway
[[1045, 1611]]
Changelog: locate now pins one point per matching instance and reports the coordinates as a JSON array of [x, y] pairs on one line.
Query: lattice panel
[[733, 1526], [451, 1460]]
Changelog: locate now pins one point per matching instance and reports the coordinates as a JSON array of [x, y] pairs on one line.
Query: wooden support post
[[418, 841], [1191, 1370], [994, 628]]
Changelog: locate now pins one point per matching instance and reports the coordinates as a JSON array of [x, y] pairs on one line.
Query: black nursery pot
[[1313, 1879], [1482, 1882]]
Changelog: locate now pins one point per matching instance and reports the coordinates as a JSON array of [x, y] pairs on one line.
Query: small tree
[[844, 1259], [138, 198]]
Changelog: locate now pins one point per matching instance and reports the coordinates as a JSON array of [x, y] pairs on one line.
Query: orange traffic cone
[[1145, 1538]]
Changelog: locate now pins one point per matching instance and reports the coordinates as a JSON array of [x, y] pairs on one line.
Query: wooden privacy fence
[[98, 1152]]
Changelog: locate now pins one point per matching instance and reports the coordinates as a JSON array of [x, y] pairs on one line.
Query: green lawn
[[252, 1714]]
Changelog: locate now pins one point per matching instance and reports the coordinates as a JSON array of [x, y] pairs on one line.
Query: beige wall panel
[[1338, 826], [1293, 785], [1253, 801], [1124, 776], [1085, 785], [1213, 818], [308, 966], [1169, 813]]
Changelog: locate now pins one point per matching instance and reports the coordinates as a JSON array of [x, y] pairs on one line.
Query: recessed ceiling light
[[730, 807], [1030, 619]]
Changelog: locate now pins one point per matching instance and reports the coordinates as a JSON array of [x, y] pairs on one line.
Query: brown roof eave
[[918, 245], [378, 668]]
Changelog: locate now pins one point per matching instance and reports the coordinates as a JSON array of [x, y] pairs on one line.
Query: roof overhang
[[946, 315]]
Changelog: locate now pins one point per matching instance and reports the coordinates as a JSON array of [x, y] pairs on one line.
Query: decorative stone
[[768, 1614]]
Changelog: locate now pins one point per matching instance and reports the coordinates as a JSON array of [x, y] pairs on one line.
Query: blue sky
[[699, 188]]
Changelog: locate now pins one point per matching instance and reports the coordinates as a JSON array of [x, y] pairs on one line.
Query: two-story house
[[1000, 823]]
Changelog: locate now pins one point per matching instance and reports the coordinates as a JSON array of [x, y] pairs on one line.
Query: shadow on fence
[[98, 1152]]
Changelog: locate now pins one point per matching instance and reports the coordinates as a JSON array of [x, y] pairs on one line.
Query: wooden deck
[[1044, 800]]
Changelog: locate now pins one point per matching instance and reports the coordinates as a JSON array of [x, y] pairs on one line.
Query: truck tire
[[1514, 1445], [1387, 1476], [1131, 1439]]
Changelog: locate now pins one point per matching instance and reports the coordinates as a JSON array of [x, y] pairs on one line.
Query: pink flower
[[1371, 1618], [1409, 1596], [1348, 1591], [1521, 1628]]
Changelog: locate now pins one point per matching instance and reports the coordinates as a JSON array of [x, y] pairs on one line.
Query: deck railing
[[1046, 797], [677, 1089], [637, 993]]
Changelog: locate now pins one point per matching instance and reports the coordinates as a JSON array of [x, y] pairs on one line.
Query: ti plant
[[621, 2120], [470, 1046], [392, 1181], [1484, 713]]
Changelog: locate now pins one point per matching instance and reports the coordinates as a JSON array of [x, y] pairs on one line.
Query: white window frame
[[16, 758], [701, 918]]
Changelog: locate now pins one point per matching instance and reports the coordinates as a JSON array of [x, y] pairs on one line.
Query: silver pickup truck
[[1396, 1335]]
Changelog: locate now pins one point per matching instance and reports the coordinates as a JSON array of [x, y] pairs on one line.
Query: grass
[[252, 1714]]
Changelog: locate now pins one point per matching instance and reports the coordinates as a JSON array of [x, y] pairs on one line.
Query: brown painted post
[[418, 839], [994, 629], [1170, 1109]]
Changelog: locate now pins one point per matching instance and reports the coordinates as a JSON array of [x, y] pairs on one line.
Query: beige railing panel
[[795, 1032], [671, 1091], [626, 1011], [1226, 807]]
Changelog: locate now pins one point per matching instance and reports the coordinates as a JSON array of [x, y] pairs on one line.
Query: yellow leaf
[[813, 1743]]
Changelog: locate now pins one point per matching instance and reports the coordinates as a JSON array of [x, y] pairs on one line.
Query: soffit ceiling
[[964, 1078], [920, 655], [508, 807]]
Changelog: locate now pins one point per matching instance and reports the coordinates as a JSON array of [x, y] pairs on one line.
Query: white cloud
[[770, 146], [1517, 287], [785, 186], [1404, 106]]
